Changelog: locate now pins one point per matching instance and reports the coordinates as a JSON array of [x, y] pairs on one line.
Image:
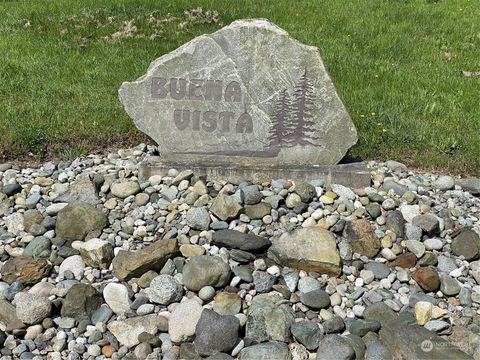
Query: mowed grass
[[397, 64]]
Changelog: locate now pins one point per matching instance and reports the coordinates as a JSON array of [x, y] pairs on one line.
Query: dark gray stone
[[375, 349], [357, 344], [420, 296], [251, 194], [428, 223], [244, 272], [233, 239], [466, 244], [307, 333], [471, 184], [374, 210], [396, 223], [39, 247], [268, 350], [448, 285], [334, 325], [315, 299], [11, 189], [362, 327], [397, 188], [380, 270], [335, 347], [215, 333], [263, 281], [81, 302], [220, 356]]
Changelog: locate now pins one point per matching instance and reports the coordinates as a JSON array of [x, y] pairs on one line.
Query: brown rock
[[466, 244], [25, 269], [453, 301], [361, 236], [360, 192], [30, 218], [8, 316], [128, 264], [406, 261], [227, 303], [108, 351], [323, 226], [427, 278]]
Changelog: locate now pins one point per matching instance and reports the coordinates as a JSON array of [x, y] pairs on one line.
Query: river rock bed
[[95, 264]]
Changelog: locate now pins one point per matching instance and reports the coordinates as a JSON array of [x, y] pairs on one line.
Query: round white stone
[[117, 298]]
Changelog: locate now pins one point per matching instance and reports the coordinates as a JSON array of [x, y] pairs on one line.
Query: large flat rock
[[309, 249], [246, 94], [407, 340]]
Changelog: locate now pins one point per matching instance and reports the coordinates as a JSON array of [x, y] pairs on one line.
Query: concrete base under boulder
[[354, 175]]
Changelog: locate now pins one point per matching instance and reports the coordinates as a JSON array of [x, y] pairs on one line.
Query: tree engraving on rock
[[281, 128], [292, 122]]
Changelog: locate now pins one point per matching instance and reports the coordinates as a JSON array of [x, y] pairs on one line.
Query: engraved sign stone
[[246, 96]]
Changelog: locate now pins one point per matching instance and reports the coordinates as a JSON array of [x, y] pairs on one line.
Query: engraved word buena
[[206, 91]]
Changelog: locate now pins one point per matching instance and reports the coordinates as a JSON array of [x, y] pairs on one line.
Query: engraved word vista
[[203, 90]]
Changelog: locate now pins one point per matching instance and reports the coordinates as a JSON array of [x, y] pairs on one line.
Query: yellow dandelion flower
[[373, 113], [384, 130], [376, 75], [362, 116], [379, 124]]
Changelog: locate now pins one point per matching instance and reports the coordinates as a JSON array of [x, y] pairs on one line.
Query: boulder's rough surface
[[77, 219], [25, 269], [362, 237], [268, 350], [81, 302], [225, 207], [172, 102], [267, 321], [97, 253], [205, 270], [309, 249], [215, 333], [233, 239], [128, 264], [127, 331], [183, 320], [406, 340], [32, 308]]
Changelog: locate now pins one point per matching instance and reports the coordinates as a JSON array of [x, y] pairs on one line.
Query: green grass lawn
[[397, 64]]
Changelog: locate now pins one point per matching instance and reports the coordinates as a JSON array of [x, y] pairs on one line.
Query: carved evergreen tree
[[302, 107], [281, 127]]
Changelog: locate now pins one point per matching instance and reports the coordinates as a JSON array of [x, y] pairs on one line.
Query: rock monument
[[244, 99]]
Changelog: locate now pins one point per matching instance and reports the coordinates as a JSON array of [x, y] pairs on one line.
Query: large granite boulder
[[309, 249], [248, 94]]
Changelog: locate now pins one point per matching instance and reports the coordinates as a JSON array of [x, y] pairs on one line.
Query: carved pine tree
[[281, 127], [302, 107]]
